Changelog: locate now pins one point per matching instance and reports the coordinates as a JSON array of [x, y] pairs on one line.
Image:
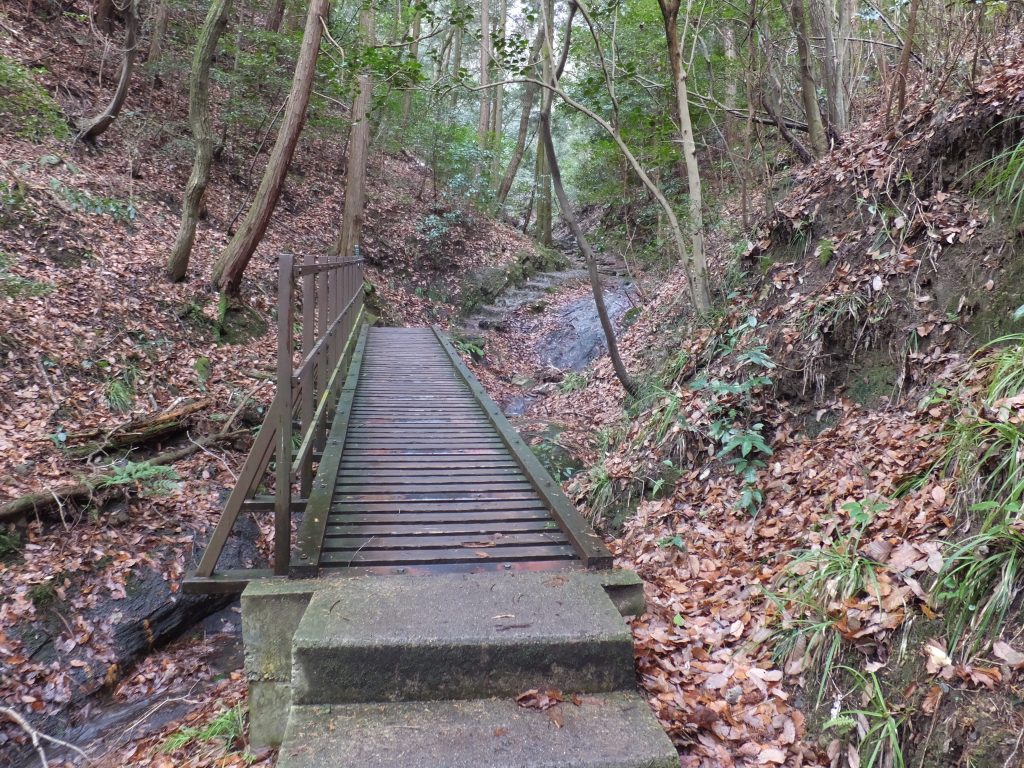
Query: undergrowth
[[26, 109]]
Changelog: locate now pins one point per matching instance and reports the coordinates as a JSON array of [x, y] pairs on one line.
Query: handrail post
[[308, 383], [283, 490]]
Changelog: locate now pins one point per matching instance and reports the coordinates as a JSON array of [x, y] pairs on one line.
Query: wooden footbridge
[[387, 455], [426, 568]]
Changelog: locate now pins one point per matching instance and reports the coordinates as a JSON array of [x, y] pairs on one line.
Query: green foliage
[[573, 381], [80, 200], [980, 580], [15, 287], [146, 478], [120, 395], [227, 731], [12, 199], [26, 109], [204, 369], [471, 348], [879, 724], [43, 594], [10, 543], [1003, 180]]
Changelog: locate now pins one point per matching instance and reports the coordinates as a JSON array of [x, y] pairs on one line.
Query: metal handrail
[[331, 312]]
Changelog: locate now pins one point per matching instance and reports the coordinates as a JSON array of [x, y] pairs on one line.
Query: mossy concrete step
[[394, 638], [615, 730]]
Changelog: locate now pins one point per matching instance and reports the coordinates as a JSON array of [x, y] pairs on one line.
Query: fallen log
[[136, 432], [48, 499]]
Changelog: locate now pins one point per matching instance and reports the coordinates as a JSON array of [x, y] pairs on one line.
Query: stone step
[[459, 636], [614, 730]]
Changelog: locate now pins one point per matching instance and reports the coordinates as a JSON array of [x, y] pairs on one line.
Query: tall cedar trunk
[[529, 96], [904, 64], [103, 15], [485, 64], [831, 20], [542, 178], [358, 146], [414, 54], [808, 92], [497, 114], [90, 129], [456, 64], [156, 42], [199, 120], [547, 148], [698, 272], [275, 15], [227, 272]]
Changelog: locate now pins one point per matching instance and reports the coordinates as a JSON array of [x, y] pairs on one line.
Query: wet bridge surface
[[427, 480]]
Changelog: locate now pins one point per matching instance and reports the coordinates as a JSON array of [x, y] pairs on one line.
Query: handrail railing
[[330, 312]]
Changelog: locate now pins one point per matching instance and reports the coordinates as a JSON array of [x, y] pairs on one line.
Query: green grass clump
[[14, 287], [148, 478], [1003, 180], [26, 109], [224, 734]]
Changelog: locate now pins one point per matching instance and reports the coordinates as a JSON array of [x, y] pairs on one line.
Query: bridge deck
[[427, 480]]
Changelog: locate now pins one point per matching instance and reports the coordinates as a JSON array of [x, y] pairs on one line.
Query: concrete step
[[614, 730], [459, 636]]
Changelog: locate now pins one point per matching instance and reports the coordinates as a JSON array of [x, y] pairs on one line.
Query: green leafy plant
[[573, 382], [14, 287], [81, 200], [981, 579], [225, 733], [1002, 179], [10, 543], [877, 724], [120, 395], [147, 478], [26, 109], [470, 348]]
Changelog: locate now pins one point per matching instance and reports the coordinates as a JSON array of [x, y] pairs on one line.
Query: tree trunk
[[227, 272], [529, 96], [103, 15], [199, 120], [808, 92], [485, 63], [456, 64], [697, 258], [156, 43], [91, 129], [274, 16], [546, 146], [904, 65], [497, 115], [414, 54], [358, 146]]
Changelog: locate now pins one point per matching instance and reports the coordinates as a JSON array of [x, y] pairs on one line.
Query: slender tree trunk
[[358, 147], [808, 92], [103, 15], [695, 224], [497, 115], [903, 67], [228, 270], [156, 42], [542, 177], [275, 15], [414, 54], [90, 129], [485, 65], [456, 63], [546, 146], [199, 119], [529, 96]]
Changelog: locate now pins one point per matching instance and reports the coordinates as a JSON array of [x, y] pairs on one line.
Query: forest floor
[[832, 370]]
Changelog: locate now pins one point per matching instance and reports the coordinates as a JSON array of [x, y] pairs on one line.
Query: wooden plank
[[305, 560], [588, 544], [462, 489], [230, 582], [449, 507], [482, 528], [481, 566], [453, 555], [438, 513], [427, 476], [426, 541], [411, 521]]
